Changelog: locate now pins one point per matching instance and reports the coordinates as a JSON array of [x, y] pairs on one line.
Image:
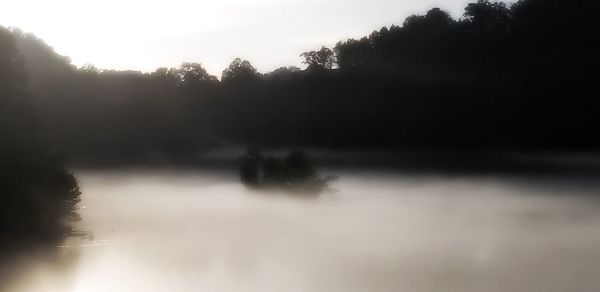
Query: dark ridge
[[517, 77]]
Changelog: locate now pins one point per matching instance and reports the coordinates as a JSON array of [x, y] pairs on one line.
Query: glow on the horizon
[[147, 34]]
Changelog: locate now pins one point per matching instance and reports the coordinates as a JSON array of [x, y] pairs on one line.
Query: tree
[[436, 19], [192, 73], [323, 58], [239, 71], [171, 75], [488, 18], [354, 53], [89, 69], [38, 196]]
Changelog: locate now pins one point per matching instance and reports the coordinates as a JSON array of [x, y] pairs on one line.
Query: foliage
[[38, 197], [323, 58], [295, 172], [239, 71]]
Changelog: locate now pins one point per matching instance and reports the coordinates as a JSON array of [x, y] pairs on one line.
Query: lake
[[199, 230]]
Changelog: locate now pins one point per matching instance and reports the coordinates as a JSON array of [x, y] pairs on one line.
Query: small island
[[293, 173]]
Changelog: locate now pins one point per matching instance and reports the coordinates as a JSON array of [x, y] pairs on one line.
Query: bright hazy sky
[[147, 34]]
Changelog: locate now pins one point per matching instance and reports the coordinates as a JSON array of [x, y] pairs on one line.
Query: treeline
[[38, 196], [502, 77]]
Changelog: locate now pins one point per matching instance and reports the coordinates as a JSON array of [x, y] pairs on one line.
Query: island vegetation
[[293, 173]]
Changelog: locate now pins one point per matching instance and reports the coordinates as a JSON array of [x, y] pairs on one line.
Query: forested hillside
[[502, 77]]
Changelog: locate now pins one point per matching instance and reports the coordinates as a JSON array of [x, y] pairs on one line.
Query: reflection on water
[[198, 232]]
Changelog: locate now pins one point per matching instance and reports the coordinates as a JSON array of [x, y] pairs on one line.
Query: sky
[[146, 34]]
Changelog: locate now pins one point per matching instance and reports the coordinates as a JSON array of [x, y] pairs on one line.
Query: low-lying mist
[[202, 231]]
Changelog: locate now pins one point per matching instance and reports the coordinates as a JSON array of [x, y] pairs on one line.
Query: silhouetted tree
[[354, 53], [191, 73], [38, 197], [282, 73], [323, 58], [89, 69], [239, 71], [170, 76], [488, 18]]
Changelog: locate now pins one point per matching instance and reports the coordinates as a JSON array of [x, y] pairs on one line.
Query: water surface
[[202, 231]]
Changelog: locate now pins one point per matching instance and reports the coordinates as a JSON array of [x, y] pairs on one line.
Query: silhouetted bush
[[295, 172]]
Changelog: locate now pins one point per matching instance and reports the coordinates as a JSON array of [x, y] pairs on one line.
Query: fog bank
[[199, 231]]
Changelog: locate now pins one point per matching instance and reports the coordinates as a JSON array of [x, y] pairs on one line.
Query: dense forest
[[516, 77], [38, 196]]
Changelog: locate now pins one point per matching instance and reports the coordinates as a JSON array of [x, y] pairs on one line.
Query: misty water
[[202, 231]]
